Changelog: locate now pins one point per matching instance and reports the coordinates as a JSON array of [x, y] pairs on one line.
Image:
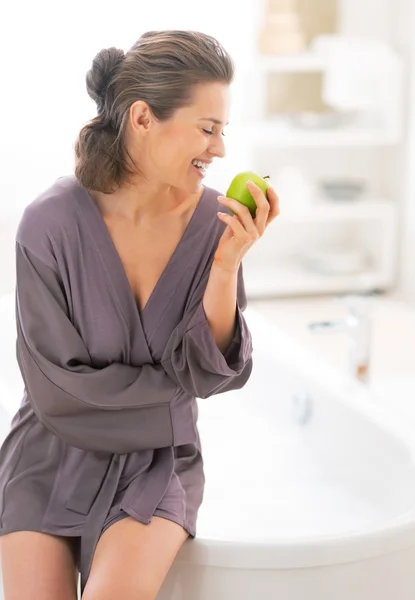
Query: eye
[[211, 132]]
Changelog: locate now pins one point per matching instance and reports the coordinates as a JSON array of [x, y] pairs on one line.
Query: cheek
[[166, 154], [177, 147], [188, 143]]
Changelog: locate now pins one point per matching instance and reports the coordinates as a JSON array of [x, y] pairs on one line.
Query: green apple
[[238, 189]]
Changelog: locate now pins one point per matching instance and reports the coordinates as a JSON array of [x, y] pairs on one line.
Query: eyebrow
[[213, 120]]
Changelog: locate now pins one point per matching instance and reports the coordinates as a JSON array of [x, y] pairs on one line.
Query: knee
[[105, 591]]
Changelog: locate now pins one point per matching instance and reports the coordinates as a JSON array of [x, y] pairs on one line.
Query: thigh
[[38, 566], [131, 559]]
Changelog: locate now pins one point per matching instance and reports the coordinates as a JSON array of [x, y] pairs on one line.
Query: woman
[[129, 303]]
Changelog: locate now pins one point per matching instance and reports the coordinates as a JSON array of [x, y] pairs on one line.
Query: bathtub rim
[[300, 553]]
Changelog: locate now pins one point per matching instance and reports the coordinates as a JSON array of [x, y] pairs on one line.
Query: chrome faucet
[[358, 325]]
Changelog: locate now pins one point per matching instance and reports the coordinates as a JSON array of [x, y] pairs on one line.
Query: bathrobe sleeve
[[119, 408], [193, 359]]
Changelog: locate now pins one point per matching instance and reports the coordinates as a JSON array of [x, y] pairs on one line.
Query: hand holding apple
[[239, 191], [254, 206]]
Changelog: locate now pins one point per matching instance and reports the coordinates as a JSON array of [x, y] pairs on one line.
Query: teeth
[[200, 164]]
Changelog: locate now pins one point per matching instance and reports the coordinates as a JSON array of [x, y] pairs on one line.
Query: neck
[[143, 201]]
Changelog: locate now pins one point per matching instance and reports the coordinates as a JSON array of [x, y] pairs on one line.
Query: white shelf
[[301, 62], [291, 280], [340, 210], [273, 133]]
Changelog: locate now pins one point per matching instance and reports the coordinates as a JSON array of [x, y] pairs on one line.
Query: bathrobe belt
[[96, 486]]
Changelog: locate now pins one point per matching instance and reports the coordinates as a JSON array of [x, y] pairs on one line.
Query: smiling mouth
[[200, 172], [200, 165]]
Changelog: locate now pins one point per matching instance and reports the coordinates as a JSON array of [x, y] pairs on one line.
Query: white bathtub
[[310, 486]]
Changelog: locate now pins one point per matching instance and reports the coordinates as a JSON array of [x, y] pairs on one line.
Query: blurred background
[[323, 103]]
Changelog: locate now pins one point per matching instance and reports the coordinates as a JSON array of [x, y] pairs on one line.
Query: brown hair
[[161, 68]]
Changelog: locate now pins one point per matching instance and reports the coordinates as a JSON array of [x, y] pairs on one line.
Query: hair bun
[[101, 73]]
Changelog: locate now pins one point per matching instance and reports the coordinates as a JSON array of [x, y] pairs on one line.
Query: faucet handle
[[358, 304]]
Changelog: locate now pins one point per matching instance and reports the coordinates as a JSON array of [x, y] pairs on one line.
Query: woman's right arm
[[119, 408]]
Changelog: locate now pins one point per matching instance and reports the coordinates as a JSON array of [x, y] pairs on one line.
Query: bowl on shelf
[[340, 262], [326, 119], [343, 189]]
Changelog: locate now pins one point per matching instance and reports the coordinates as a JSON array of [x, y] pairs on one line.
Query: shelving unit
[[372, 220]]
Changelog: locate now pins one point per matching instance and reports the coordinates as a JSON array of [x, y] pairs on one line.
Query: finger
[[262, 204], [274, 204], [228, 233], [238, 229], [242, 211]]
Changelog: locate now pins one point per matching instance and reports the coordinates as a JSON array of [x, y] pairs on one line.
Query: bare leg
[[131, 560], [37, 566]]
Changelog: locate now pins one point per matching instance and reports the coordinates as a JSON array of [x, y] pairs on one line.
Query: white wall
[[47, 49], [49, 53], [402, 27]]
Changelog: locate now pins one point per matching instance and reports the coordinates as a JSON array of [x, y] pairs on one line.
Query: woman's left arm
[[210, 351], [241, 233]]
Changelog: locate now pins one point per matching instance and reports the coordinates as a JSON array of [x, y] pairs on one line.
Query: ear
[[141, 117]]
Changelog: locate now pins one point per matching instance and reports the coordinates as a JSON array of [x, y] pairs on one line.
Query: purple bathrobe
[[107, 426]]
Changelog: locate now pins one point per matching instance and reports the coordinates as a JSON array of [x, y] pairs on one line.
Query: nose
[[217, 146]]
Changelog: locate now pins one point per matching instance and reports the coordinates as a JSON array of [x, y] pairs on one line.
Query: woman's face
[[166, 151]]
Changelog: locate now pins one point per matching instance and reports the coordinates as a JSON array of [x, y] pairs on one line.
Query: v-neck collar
[[116, 272]]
